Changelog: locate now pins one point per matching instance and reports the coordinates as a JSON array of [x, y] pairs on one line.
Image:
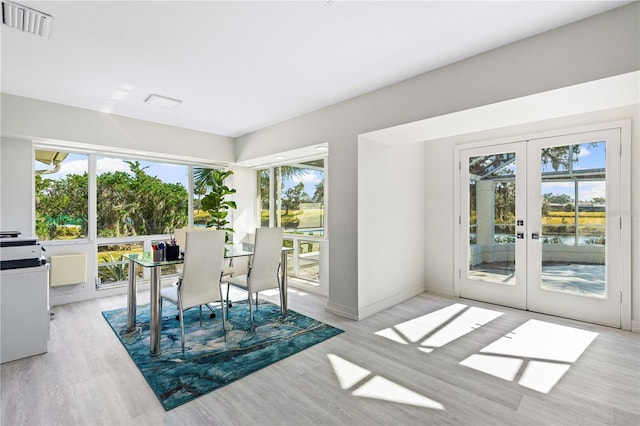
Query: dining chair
[[263, 270], [179, 235], [200, 281]]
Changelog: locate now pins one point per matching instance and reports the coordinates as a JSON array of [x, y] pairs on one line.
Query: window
[[61, 195], [135, 199], [264, 178], [292, 196], [138, 203], [140, 197], [202, 182], [111, 267]]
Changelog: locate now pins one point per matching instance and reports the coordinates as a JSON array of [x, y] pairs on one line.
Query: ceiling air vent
[[26, 19]]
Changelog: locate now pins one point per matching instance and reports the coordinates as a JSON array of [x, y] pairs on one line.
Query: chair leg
[[200, 315], [212, 315], [251, 312], [224, 323], [182, 329], [181, 313]]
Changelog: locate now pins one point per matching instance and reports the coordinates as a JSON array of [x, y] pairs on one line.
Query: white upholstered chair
[[180, 233], [263, 271], [200, 281]]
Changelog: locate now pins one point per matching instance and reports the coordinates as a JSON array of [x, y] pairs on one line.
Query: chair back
[[266, 259], [180, 235], [203, 257]]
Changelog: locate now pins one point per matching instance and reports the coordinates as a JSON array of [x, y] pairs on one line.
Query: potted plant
[[216, 203]]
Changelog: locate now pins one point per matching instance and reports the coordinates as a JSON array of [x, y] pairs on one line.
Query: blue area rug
[[209, 362]]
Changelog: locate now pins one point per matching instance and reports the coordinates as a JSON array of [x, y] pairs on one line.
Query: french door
[[540, 225]]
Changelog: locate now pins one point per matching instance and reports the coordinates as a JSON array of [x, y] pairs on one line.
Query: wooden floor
[[406, 374]]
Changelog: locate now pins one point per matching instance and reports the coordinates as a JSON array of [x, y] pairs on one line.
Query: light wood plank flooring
[[356, 378]]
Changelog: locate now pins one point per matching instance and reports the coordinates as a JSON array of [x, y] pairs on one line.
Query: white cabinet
[[24, 312]]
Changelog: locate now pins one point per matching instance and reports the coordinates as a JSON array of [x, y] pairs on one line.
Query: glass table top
[[146, 258]]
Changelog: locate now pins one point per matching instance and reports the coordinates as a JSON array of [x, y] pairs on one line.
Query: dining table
[[146, 260]]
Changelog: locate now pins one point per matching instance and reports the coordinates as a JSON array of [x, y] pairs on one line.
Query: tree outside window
[[298, 197], [135, 202], [61, 195]]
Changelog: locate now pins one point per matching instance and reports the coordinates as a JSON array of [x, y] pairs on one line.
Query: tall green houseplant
[[216, 203]]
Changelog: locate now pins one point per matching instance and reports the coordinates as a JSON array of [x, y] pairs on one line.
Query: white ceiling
[[241, 66]]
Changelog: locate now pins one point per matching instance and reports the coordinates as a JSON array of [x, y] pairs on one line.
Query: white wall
[[31, 119], [391, 206], [439, 217], [16, 180], [595, 48], [244, 217]]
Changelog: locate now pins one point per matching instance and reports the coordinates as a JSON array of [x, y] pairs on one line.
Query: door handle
[[535, 236]]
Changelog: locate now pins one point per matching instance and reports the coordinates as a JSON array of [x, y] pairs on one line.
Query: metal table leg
[[283, 282], [132, 299], [155, 327]]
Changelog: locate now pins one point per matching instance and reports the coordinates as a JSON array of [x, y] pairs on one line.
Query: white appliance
[[24, 298], [17, 252], [24, 312]]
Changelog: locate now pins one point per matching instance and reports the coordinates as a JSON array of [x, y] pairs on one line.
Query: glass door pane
[[493, 206], [492, 218], [574, 265], [574, 218]]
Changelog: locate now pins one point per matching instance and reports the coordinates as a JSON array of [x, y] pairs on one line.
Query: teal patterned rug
[[209, 362]]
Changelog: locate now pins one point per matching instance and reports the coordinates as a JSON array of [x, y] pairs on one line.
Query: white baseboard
[[441, 291], [635, 326], [380, 306], [299, 284], [72, 295], [342, 310], [367, 311], [79, 296]]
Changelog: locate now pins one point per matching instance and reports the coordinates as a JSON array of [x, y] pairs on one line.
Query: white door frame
[[625, 206], [513, 294]]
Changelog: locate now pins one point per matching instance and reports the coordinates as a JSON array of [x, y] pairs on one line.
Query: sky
[[590, 157], [310, 179]]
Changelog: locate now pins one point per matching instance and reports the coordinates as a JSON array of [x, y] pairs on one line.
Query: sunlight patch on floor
[[386, 390], [348, 373], [293, 290], [437, 329], [542, 376], [543, 340], [537, 354], [498, 366], [363, 383]]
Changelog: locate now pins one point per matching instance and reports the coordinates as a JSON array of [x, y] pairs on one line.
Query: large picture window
[[292, 196], [138, 202], [140, 197], [61, 195]]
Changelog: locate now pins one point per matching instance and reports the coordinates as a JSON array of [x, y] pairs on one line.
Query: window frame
[[275, 193], [68, 151], [92, 225], [292, 238]]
